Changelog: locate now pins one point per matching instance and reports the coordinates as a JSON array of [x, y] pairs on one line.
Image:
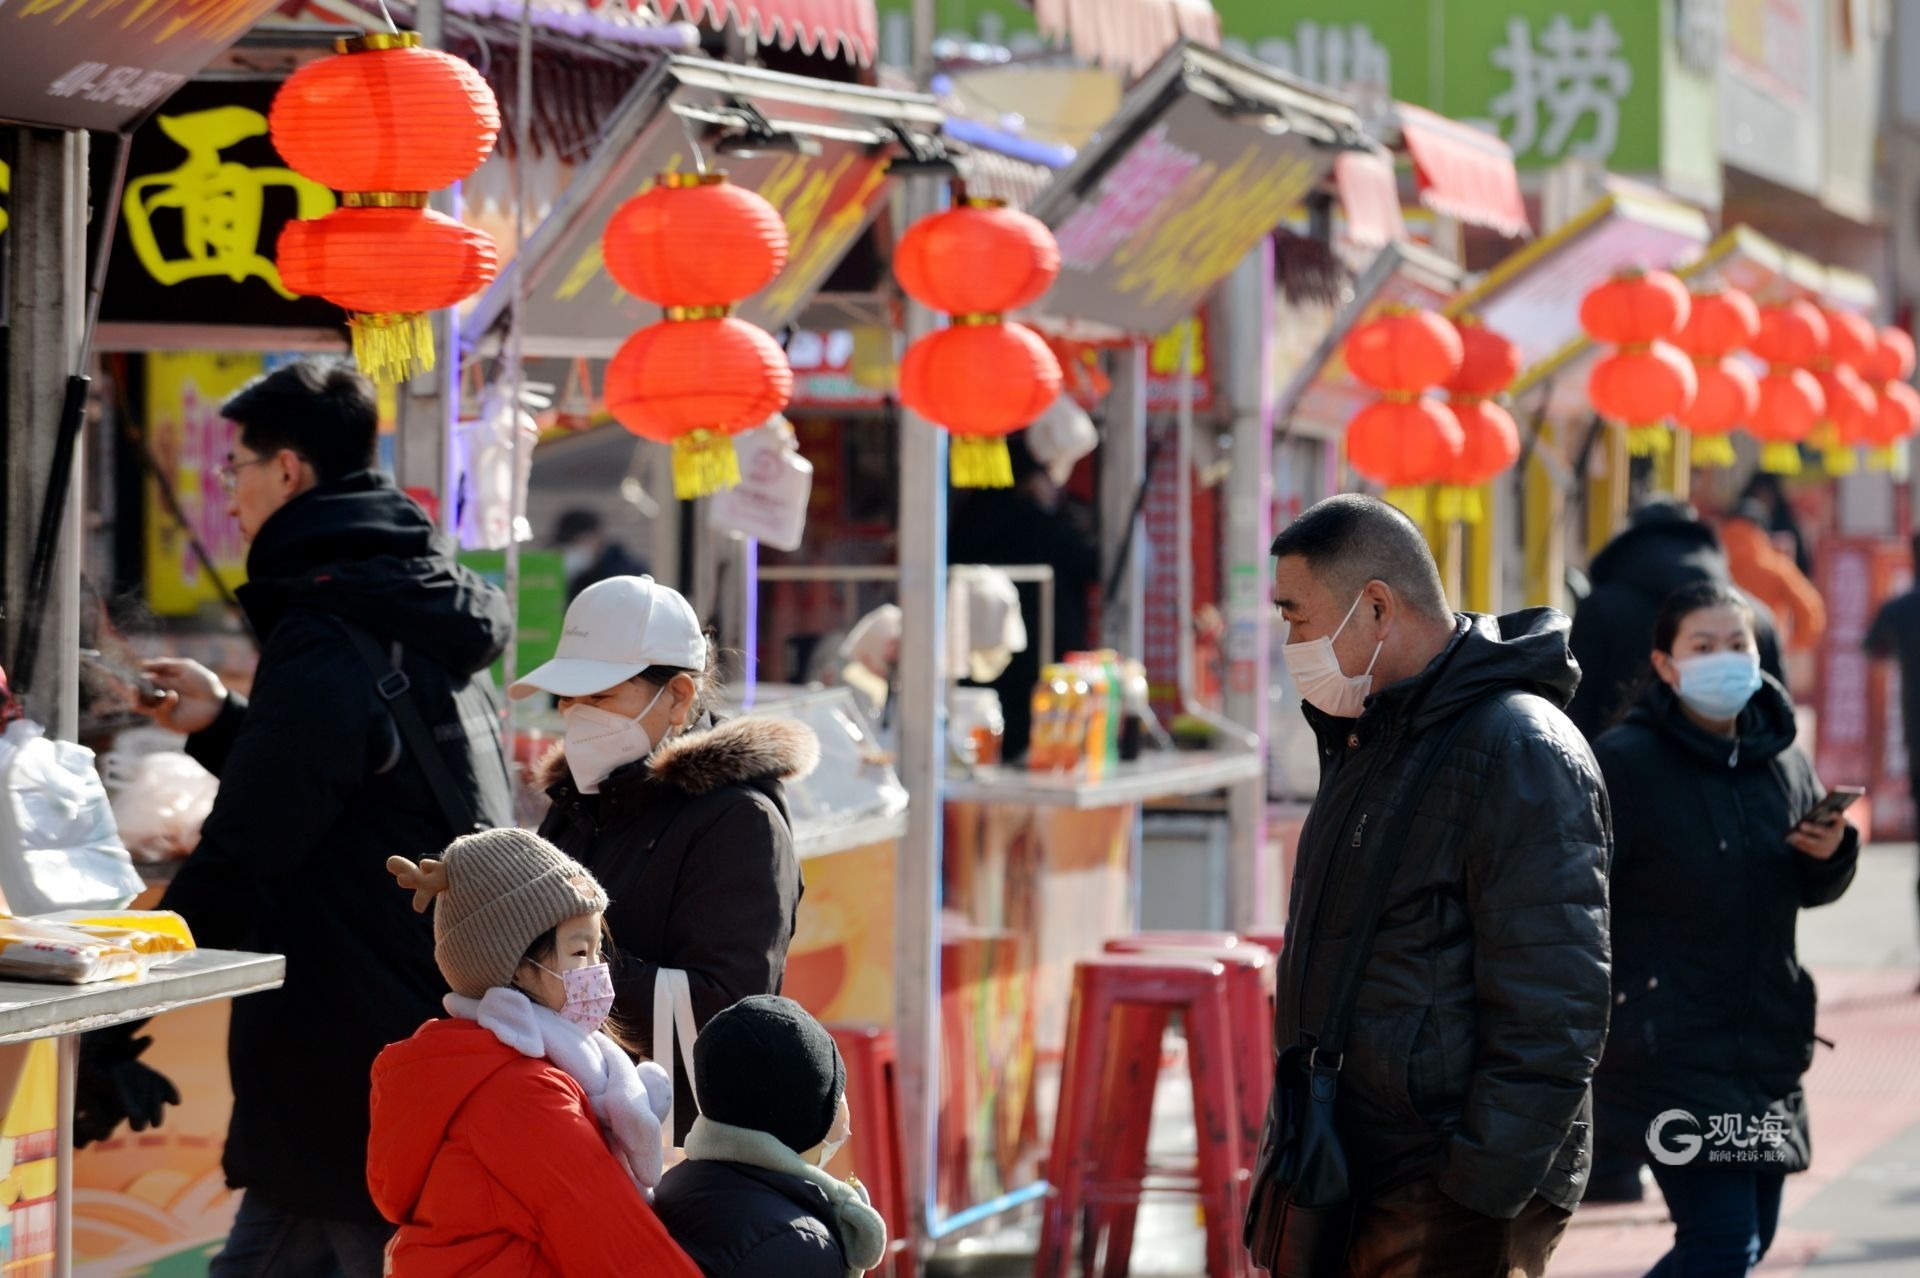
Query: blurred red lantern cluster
[[1851, 407], [384, 122], [1792, 335], [984, 376], [1646, 381], [1887, 368], [1490, 442], [695, 244], [1405, 440], [1720, 321]]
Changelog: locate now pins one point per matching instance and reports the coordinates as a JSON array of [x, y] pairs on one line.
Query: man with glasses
[[372, 638]]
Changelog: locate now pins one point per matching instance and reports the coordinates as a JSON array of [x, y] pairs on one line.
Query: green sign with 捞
[[543, 601], [1558, 79]]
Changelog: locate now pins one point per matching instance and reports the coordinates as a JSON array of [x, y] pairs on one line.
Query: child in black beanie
[[752, 1199]]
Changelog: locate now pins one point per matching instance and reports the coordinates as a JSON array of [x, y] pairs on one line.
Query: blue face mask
[[1718, 685]]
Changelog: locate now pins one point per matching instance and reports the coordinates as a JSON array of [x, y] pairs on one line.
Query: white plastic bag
[[59, 848], [160, 801]]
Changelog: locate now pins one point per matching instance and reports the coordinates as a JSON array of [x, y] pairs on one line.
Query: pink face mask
[[589, 994]]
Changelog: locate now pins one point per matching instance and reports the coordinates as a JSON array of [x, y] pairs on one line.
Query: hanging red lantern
[[1850, 338], [387, 267], [1405, 442], [1726, 396], [695, 241], [693, 384], [980, 258], [1635, 307], [1886, 369], [1720, 321], [1791, 333], [1490, 444], [1896, 417], [1488, 362], [982, 382], [1892, 357], [385, 114], [1791, 401], [1404, 350], [1641, 389], [1848, 420]]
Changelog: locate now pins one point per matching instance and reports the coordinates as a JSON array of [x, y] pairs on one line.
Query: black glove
[[113, 1087]]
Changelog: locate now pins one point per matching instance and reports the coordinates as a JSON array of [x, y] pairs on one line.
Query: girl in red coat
[[516, 1139]]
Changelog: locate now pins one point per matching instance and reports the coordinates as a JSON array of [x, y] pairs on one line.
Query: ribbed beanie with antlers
[[495, 893]]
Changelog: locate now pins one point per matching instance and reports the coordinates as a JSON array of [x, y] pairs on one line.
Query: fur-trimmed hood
[[725, 752]]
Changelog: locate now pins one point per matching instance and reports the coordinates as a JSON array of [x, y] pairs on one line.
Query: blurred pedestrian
[[682, 814], [754, 1197], [589, 555], [516, 1136], [372, 732], [1769, 492], [1666, 547], [1713, 1016], [1895, 636], [1445, 971], [1766, 573]]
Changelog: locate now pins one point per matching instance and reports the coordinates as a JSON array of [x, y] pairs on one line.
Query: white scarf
[[862, 1231], [628, 1100]]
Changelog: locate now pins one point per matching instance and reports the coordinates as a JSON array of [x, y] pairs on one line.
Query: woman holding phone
[[1720, 839]]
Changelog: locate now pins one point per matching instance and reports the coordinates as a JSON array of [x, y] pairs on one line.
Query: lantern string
[[693, 144], [393, 28]]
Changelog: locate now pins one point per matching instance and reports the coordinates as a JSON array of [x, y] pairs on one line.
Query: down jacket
[[1483, 1007], [1713, 1013], [492, 1165], [695, 849]]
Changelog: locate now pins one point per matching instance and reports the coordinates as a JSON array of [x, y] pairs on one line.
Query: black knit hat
[[765, 1065]]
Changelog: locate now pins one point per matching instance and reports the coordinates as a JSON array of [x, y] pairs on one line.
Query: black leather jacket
[[1483, 1009]]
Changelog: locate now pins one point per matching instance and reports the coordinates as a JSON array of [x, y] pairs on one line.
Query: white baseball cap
[[614, 630]]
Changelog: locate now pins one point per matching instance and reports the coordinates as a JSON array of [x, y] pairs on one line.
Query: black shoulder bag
[[1300, 1217]]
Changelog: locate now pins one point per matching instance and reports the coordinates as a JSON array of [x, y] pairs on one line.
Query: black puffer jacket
[[1483, 1008], [1613, 628], [1713, 1013], [316, 792], [738, 1221], [695, 849]]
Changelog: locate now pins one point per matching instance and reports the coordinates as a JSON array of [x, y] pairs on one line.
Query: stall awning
[[992, 176], [1370, 198], [820, 152], [1127, 35], [1464, 172], [833, 28], [1207, 155]]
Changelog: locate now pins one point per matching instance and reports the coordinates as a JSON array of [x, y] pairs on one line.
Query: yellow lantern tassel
[[1838, 459], [1411, 502], [980, 461], [1648, 441], [1780, 458], [1883, 459], [390, 348], [704, 462], [1714, 452]]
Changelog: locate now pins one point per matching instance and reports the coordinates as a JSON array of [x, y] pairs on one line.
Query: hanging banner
[[104, 64], [191, 441], [1163, 366]]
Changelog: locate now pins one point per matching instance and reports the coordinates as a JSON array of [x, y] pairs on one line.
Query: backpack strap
[[390, 681]]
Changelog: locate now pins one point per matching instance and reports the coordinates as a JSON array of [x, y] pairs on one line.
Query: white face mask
[[576, 559], [599, 741], [1316, 672]]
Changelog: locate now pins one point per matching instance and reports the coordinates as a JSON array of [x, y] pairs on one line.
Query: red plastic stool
[[1272, 942], [873, 1094], [1120, 1006]]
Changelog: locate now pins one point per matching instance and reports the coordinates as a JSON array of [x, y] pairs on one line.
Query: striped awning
[[833, 28], [1127, 35], [1464, 172], [992, 176]]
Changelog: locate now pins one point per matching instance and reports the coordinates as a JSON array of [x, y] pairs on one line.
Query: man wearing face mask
[[681, 815], [1447, 933], [588, 555]]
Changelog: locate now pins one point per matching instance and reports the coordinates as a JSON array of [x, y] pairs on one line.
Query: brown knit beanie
[[504, 890]]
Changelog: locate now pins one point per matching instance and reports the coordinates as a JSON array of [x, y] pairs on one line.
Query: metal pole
[[516, 339], [1255, 883], [1123, 454], [46, 318], [428, 402]]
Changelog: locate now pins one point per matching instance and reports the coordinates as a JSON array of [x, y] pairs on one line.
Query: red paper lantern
[[1850, 338], [1405, 350], [385, 115], [1635, 307], [1850, 404], [1488, 364], [1896, 414], [1719, 322], [1403, 443], [694, 383], [1642, 389], [981, 382], [1726, 396], [1891, 358], [1791, 401], [695, 241], [1793, 334], [388, 266], [981, 258]]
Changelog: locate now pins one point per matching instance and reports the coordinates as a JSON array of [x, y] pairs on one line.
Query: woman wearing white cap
[[682, 816]]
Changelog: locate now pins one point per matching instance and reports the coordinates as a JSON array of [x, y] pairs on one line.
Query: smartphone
[[1838, 800]]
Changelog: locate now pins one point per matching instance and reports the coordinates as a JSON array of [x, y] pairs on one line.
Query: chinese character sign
[[191, 442]]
